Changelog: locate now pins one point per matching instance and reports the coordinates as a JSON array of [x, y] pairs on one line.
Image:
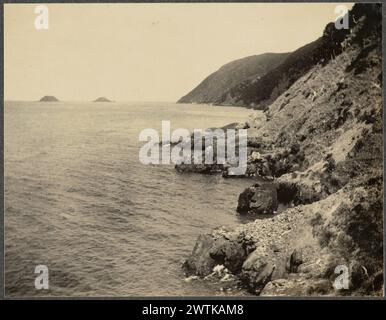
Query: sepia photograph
[[193, 150]]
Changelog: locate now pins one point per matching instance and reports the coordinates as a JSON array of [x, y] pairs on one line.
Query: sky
[[144, 52]]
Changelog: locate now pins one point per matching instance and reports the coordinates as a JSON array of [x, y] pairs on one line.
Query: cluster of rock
[[318, 148]]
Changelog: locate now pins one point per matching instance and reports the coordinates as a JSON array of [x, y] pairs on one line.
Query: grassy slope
[[231, 74]]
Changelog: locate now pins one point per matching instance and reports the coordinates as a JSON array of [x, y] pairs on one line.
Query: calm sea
[[78, 200]]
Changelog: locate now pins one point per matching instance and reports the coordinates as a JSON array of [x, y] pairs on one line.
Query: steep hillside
[[246, 69], [261, 90], [260, 93], [318, 151]]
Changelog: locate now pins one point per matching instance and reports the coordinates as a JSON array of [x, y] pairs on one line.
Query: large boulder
[[261, 198], [269, 263], [230, 252], [199, 262], [219, 248], [257, 270]]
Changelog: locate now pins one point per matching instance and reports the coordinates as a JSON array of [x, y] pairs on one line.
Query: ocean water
[[78, 200]]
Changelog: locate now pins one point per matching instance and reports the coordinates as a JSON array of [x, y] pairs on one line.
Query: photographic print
[[193, 150]]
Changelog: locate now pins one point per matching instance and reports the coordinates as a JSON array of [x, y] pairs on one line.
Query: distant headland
[[49, 99]]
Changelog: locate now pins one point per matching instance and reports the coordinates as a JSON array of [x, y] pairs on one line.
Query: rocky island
[[317, 149], [102, 99], [49, 99]]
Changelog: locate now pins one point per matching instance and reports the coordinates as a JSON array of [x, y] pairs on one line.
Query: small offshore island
[[49, 99], [102, 99]]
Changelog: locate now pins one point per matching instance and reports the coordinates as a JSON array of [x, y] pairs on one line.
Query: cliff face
[[247, 69], [320, 144]]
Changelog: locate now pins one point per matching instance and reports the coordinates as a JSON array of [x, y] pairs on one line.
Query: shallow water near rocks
[[78, 200]]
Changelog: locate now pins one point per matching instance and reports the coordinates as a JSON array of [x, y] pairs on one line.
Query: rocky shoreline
[[318, 150]]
